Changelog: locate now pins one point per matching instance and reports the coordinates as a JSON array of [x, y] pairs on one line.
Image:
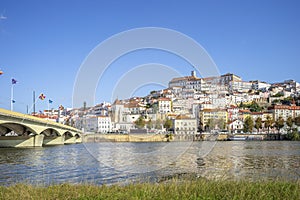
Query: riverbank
[[164, 138], [124, 138], [172, 189]]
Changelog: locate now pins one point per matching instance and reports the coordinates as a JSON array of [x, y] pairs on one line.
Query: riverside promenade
[[124, 138]]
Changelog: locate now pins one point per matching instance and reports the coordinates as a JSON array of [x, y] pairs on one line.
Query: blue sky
[[43, 43]]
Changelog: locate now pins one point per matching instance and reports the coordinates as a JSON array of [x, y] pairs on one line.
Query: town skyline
[[192, 105], [47, 101]]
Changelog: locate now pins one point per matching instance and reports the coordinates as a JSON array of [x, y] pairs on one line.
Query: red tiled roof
[[164, 99], [182, 117], [286, 107], [246, 111], [186, 78]]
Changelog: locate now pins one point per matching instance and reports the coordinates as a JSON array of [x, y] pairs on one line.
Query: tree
[[220, 123], [140, 122], [279, 123], [241, 105], [294, 135], [158, 124], [248, 124], [287, 101], [289, 122], [254, 107], [297, 121], [278, 95], [168, 124], [211, 124], [268, 123], [148, 105], [149, 124], [258, 123]]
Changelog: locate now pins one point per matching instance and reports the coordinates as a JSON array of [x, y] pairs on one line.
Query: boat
[[238, 138]]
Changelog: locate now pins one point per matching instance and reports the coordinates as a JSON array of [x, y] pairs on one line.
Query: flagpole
[[48, 108], [33, 102], [12, 97]]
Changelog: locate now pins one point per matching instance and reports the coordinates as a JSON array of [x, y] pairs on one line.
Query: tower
[[193, 73]]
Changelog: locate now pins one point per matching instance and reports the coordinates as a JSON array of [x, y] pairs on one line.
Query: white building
[[233, 113], [260, 85], [93, 123], [117, 109], [188, 82], [184, 125], [164, 105], [104, 124], [240, 86], [285, 111], [123, 126], [235, 126]]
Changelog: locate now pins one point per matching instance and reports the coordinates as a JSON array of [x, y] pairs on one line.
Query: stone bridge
[[21, 130]]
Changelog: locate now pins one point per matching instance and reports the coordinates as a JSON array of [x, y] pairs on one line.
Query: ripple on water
[[109, 163]]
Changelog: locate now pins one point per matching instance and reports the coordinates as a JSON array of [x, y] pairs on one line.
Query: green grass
[[174, 189]]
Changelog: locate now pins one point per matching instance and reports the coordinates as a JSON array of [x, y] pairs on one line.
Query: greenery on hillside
[[173, 189], [285, 101], [253, 106], [279, 94]]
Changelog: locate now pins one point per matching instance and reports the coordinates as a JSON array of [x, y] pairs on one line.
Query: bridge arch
[[71, 134], [17, 128], [50, 132], [77, 135]]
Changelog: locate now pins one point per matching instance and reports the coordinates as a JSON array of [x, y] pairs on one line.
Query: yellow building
[[243, 114], [209, 115], [262, 115]]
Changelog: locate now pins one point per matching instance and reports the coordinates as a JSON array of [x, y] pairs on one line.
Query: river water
[[108, 163]]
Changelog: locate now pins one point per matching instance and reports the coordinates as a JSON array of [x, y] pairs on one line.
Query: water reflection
[[100, 163], [253, 160]]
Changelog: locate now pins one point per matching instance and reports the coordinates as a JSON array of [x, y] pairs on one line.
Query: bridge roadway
[[22, 130]]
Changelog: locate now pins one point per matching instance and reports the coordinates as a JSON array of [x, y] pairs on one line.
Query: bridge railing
[[35, 119]]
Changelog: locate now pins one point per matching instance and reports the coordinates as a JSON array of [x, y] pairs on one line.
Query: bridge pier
[[71, 140], [78, 140], [21, 141], [58, 140]]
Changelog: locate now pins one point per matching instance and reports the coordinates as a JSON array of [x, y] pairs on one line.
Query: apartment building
[[164, 105], [184, 125], [207, 115], [285, 111]]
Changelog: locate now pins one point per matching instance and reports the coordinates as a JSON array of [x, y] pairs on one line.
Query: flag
[[1, 72], [42, 96], [50, 101], [13, 101], [13, 81]]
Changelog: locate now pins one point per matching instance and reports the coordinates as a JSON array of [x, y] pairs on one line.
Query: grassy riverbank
[[175, 189]]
